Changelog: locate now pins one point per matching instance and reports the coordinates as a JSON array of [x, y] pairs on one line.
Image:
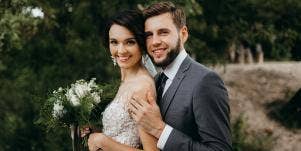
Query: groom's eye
[[148, 35], [163, 32]]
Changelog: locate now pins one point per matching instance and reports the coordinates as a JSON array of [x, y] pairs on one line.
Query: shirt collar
[[171, 70]]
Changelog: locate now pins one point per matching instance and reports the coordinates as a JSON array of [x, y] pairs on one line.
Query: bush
[[246, 141], [288, 114]]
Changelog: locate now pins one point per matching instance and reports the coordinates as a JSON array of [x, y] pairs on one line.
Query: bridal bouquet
[[81, 104], [73, 105]]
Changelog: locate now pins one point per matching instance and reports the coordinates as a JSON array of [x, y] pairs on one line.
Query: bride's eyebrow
[[132, 38], [128, 39]]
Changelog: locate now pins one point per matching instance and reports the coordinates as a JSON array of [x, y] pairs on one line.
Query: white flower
[[92, 83], [74, 100], [60, 89], [58, 110], [81, 89], [96, 97]]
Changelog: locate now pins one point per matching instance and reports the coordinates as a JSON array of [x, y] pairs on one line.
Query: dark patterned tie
[[160, 84]]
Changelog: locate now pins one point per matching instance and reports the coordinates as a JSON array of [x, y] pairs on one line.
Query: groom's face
[[162, 39]]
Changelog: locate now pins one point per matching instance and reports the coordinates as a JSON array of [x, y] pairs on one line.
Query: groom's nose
[[156, 40]]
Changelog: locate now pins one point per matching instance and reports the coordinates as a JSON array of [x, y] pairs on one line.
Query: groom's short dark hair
[[177, 13]]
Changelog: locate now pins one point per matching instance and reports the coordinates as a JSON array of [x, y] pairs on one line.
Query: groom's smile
[[162, 39], [159, 52]]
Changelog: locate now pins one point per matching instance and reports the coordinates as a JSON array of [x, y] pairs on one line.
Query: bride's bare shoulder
[[143, 84], [145, 81]]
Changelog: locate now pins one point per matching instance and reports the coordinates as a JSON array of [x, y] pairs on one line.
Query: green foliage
[[17, 24], [273, 23], [246, 141]]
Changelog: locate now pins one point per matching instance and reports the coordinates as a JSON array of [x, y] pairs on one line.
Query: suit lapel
[[171, 91]]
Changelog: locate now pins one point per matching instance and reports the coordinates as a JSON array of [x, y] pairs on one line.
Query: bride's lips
[[123, 58]]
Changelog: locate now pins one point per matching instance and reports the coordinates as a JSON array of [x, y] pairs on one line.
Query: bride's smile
[[123, 58], [124, 47]]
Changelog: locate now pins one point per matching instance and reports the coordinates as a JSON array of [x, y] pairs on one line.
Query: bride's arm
[[149, 142], [99, 140]]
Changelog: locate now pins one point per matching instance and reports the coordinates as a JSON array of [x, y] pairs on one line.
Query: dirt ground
[[253, 87]]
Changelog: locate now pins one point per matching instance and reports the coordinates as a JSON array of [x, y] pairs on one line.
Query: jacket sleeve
[[211, 114]]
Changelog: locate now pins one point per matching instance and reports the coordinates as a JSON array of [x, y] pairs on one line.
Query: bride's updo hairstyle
[[133, 20]]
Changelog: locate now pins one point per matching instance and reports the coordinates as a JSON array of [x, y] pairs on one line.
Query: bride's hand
[[84, 131], [95, 141]]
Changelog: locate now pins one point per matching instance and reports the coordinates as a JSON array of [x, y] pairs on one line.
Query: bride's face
[[124, 47]]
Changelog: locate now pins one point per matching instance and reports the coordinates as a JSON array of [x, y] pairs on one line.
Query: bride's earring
[[114, 60], [143, 60]]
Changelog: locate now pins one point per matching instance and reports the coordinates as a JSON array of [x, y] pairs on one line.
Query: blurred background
[[253, 44]]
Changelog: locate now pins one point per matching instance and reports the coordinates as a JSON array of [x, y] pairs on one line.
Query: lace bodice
[[118, 124]]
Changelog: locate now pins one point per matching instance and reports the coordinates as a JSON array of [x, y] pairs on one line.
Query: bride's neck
[[130, 73]]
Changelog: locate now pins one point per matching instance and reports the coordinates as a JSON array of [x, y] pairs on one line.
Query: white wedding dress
[[117, 122]]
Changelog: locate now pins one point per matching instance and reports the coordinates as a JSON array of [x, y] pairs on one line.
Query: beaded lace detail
[[118, 124]]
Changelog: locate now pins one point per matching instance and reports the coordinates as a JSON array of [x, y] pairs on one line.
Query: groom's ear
[[184, 34]]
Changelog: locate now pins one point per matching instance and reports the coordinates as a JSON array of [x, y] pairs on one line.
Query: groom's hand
[[147, 114]]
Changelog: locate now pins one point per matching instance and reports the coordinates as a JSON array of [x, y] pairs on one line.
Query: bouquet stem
[[75, 136]]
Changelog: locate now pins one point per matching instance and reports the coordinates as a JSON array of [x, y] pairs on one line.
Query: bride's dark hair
[[133, 20]]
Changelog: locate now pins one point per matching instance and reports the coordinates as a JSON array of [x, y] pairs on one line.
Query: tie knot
[[162, 78]]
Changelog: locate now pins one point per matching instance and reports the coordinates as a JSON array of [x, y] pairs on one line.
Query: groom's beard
[[170, 57]]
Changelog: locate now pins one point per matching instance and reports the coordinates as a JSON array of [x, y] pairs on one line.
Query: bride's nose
[[121, 49]]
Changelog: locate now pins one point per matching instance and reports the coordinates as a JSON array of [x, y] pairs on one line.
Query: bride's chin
[[124, 66]]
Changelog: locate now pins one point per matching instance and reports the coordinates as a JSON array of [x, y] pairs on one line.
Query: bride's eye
[[131, 42], [113, 42]]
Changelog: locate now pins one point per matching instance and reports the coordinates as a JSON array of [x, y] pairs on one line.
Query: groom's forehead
[[160, 21]]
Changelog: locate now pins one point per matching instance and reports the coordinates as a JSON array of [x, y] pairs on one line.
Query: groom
[[193, 112]]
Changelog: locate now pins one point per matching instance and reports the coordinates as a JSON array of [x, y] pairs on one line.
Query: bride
[[124, 36]]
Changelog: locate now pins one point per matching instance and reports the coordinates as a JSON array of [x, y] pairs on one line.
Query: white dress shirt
[[170, 71]]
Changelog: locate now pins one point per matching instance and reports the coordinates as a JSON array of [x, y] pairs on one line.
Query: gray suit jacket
[[196, 106]]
